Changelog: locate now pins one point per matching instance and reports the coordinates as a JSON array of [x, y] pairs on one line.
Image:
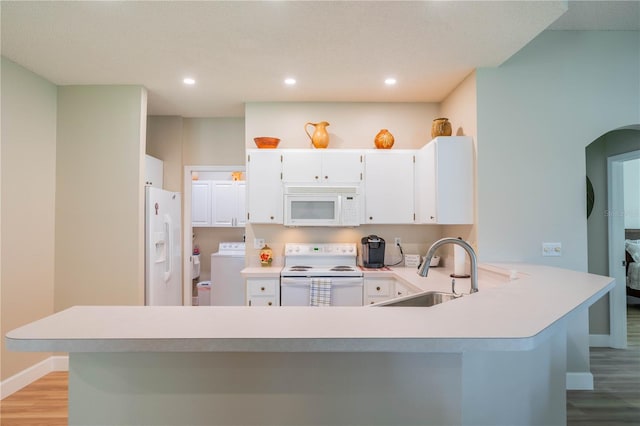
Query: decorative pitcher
[[320, 137], [440, 127]]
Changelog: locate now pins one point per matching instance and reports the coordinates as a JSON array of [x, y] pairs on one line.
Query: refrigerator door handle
[[169, 237]]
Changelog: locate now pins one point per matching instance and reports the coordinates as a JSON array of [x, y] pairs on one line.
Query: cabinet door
[[389, 192], [445, 181], [426, 186], [153, 171], [263, 291], [264, 186], [224, 203], [200, 203], [342, 166], [303, 166], [378, 289]]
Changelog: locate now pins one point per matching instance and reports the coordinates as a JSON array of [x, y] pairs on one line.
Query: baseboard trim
[[600, 340], [579, 381], [29, 375]]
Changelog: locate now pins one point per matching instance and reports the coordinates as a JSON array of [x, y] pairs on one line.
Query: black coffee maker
[[372, 252]]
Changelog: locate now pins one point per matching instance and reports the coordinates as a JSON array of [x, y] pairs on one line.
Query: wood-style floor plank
[[616, 375], [42, 403], [614, 402]]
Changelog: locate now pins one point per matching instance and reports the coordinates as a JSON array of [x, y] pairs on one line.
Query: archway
[[605, 231]]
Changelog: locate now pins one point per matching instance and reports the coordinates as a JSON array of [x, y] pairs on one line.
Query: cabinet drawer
[[262, 301], [262, 288], [377, 288]]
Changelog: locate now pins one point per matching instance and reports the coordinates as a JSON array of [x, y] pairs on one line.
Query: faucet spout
[[424, 268]]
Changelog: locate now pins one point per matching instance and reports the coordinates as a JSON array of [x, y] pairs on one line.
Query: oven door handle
[[295, 281]]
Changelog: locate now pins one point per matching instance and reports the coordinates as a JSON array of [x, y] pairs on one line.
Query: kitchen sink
[[427, 299]]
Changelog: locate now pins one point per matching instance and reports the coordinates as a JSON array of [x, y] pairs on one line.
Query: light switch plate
[[552, 249]]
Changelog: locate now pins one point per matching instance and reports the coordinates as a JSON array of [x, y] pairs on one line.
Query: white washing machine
[[227, 286]]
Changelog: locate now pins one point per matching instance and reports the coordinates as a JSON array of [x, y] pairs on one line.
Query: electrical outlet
[[398, 241], [258, 243], [552, 249]]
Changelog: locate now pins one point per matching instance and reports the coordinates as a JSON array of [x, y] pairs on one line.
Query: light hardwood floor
[[615, 400]]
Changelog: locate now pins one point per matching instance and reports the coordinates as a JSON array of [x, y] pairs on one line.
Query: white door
[[304, 166], [163, 264], [224, 202], [342, 166], [264, 191], [389, 190], [201, 203]]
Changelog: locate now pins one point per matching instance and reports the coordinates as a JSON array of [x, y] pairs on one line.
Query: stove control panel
[[337, 249]]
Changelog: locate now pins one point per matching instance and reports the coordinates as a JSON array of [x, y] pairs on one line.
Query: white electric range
[[333, 266]]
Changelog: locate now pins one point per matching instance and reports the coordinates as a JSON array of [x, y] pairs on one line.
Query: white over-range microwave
[[321, 206]]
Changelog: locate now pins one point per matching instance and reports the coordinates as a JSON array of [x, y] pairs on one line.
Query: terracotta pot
[[384, 139], [440, 127]]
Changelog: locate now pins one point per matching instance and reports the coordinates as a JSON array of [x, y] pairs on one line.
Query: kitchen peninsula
[[495, 357]]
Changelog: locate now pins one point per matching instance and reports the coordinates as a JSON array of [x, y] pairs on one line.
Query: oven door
[[345, 291], [312, 210]]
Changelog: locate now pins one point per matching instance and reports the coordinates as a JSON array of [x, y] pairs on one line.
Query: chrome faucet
[[424, 268]]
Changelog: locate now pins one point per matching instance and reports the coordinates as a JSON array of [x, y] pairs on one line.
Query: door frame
[[615, 221], [187, 229]]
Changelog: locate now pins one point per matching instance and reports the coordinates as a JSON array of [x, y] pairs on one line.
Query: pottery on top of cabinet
[[266, 142], [440, 127], [384, 139], [320, 137]]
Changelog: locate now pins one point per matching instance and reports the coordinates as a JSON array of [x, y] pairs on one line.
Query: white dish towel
[[320, 294]]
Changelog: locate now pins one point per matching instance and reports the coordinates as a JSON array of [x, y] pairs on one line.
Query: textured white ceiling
[[241, 51]]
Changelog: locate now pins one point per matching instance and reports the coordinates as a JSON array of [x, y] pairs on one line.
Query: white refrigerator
[[163, 258]]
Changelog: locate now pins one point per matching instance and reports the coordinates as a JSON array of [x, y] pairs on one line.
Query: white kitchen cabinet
[[153, 172], [218, 203], [263, 291], [401, 290], [444, 181], [228, 203], [322, 166], [264, 190], [201, 203], [389, 187], [378, 289]]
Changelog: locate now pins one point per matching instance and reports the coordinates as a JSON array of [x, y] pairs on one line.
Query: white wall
[[536, 114], [352, 124], [28, 204], [631, 172], [100, 196]]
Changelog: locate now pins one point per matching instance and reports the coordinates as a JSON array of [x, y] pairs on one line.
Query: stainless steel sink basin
[[429, 298]]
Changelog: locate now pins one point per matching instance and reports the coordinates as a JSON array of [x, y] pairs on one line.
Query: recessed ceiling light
[[289, 81], [390, 81], [188, 80]]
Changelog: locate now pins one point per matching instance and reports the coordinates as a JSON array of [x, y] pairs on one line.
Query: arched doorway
[[606, 229]]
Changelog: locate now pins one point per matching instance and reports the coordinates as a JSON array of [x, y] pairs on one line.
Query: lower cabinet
[[381, 289], [263, 291], [378, 290]]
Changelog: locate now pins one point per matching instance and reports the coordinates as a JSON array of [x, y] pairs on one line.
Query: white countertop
[[503, 315]]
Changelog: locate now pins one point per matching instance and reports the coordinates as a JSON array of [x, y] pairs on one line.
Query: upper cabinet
[[228, 203], [264, 191], [201, 203], [322, 166], [218, 203], [389, 191], [153, 172], [444, 181]]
